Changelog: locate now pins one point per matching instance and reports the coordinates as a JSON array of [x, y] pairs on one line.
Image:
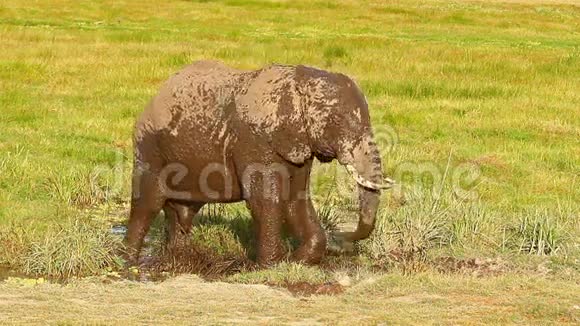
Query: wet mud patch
[[214, 266], [204, 263], [189, 259]]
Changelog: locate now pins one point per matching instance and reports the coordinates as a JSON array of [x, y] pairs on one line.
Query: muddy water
[[119, 230]]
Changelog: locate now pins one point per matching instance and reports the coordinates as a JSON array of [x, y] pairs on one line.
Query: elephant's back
[[197, 92], [201, 82]]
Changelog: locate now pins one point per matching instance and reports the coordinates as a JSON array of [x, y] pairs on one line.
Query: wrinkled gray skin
[[217, 134]]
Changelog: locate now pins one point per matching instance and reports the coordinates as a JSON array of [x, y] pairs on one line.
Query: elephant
[[215, 134]]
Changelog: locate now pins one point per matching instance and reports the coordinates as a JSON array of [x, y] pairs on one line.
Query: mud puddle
[[119, 230]]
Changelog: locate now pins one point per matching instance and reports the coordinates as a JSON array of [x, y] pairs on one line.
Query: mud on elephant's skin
[[217, 134]]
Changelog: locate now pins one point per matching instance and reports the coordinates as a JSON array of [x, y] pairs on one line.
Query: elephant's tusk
[[388, 183]]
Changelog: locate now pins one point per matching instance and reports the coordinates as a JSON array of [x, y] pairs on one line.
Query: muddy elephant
[[215, 134]]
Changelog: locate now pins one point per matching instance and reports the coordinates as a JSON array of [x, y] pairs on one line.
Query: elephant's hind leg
[[179, 220], [147, 201]]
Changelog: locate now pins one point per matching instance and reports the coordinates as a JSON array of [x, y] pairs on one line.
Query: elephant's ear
[[273, 110]]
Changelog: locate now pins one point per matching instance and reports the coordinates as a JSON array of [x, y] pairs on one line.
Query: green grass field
[[485, 95]]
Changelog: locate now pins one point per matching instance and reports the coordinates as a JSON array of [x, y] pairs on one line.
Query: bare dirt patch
[[304, 289], [475, 266]]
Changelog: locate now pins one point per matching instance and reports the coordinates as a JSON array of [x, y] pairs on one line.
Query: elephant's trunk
[[364, 165]]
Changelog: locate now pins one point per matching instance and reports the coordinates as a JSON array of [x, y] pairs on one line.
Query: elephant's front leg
[[303, 222], [268, 217]]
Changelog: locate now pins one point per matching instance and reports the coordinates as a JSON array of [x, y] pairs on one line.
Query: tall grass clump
[[539, 232], [82, 188], [474, 226], [220, 243], [77, 247], [234, 218], [14, 242], [404, 236], [218, 239], [329, 216]]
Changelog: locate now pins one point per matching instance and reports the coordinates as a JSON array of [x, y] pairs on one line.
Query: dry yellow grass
[[393, 299]]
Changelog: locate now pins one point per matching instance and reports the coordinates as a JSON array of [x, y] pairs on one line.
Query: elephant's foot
[[131, 256], [312, 249], [302, 221], [270, 252], [132, 249]]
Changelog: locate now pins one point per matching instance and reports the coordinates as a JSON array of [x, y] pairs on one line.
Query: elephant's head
[[311, 112], [339, 128]]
